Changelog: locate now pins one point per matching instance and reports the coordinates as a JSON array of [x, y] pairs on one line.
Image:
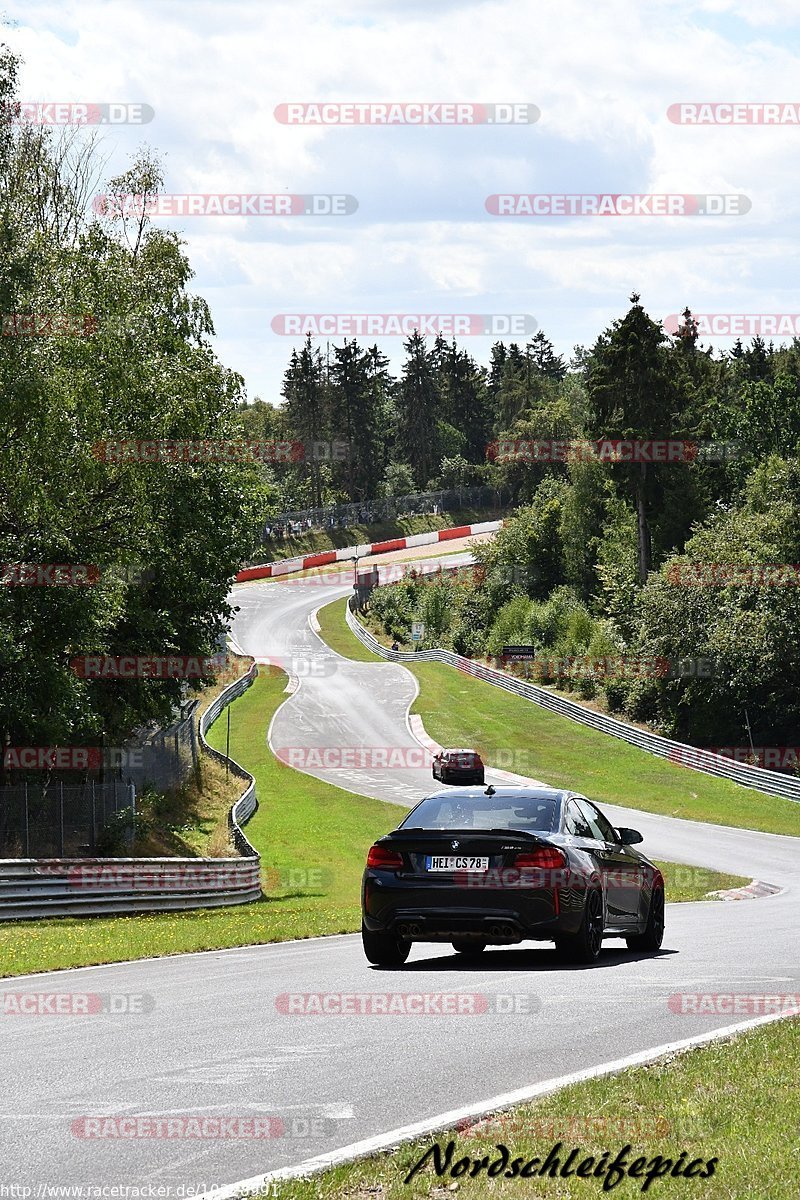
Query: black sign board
[[519, 653]]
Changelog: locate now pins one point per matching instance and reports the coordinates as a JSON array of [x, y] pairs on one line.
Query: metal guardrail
[[247, 804], [60, 887], [712, 764], [56, 887]]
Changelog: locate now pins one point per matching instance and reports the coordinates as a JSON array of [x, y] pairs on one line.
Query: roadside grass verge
[[518, 735], [683, 883], [313, 838], [737, 1101], [334, 631], [192, 820]]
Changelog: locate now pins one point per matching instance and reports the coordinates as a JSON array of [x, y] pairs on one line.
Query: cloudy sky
[[421, 240]]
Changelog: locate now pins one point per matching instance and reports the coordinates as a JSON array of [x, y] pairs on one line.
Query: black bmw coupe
[[500, 866]]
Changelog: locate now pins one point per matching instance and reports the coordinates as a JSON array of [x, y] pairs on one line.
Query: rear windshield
[[483, 812]]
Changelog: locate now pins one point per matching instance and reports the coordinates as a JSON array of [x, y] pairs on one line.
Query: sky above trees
[[421, 240]]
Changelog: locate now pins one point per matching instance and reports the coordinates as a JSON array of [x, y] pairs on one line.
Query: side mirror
[[629, 837]]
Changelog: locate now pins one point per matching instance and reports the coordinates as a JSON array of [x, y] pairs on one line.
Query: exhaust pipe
[[408, 930], [502, 931]]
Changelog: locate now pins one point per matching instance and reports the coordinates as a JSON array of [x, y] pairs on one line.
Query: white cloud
[[602, 75]]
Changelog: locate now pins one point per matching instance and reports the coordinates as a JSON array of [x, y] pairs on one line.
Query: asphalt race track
[[218, 1040]]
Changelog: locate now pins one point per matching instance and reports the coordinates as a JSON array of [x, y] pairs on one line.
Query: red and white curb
[[751, 891], [290, 566]]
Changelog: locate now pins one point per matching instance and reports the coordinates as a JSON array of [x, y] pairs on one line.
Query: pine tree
[[540, 352], [306, 404], [634, 395], [358, 379], [418, 409], [465, 400]]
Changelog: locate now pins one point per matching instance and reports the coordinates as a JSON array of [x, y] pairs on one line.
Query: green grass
[[355, 535], [737, 1101], [336, 633], [313, 838], [684, 883], [518, 735]]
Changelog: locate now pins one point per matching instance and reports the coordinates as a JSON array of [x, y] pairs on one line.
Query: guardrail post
[[92, 845]]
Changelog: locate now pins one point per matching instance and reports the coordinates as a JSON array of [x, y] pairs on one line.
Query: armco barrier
[[56, 887], [753, 777], [247, 804]]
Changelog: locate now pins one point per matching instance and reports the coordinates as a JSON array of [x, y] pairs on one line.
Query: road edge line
[[408, 1133]]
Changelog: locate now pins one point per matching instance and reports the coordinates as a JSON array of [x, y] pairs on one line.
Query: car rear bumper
[[498, 916]]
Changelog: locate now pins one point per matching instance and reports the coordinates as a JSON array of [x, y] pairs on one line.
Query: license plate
[[435, 863]]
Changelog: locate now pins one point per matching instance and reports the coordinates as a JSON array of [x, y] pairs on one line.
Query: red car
[[458, 766]]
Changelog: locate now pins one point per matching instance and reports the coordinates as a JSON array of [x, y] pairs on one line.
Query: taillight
[[388, 860], [546, 858]]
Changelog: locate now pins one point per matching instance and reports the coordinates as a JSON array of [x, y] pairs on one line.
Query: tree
[[418, 409], [307, 412], [399, 480], [464, 398], [634, 395], [542, 356], [141, 368], [358, 381]]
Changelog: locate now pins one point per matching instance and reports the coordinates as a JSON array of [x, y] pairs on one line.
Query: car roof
[[503, 793]]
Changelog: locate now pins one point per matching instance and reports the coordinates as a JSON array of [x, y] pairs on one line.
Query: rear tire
[[653, 934], [584, 946], [383, 949], [467, 947]]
